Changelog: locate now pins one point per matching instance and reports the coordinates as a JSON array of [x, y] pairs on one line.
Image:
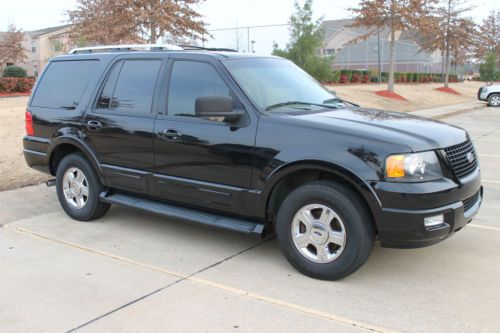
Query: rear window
[[63, 83]]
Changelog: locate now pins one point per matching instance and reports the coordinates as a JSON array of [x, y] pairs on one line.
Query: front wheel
[[494, 100], [325, 230], [78, 188]]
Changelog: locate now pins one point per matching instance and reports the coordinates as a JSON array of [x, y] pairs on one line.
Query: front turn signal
[[395, 166]]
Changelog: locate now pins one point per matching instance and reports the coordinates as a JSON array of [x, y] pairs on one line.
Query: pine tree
[[489, 36], [397, 16], [11, 47], [306, 38], [130, 21]]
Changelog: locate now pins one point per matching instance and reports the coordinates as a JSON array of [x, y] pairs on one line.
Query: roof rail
[[126, 47], [201, 48]]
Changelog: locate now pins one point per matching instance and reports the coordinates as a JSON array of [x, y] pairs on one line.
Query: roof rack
[[201, 48], [126, 47]]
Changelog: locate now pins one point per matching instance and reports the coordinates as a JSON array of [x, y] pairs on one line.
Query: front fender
[[341, 171]]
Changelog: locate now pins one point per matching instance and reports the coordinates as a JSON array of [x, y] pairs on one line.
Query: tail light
[[29, 124]]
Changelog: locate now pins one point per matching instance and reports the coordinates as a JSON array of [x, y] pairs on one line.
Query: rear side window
[[63, 84], [130, 87]]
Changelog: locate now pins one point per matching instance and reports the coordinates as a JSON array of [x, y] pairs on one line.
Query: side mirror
[[217, 106]]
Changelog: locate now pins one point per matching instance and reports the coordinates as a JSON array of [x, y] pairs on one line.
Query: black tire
[[93, 207], [494, 100], [357, 222]]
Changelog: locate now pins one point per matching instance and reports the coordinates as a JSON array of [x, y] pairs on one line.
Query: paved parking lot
[[137, 272]]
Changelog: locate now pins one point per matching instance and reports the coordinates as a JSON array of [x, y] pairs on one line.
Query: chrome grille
[[471, 201], [458, 156]]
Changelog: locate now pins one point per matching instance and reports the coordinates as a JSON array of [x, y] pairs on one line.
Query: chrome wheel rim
[[318, 233], [75, 188], [495, 100]]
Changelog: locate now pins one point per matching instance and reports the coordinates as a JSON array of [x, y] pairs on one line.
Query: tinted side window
[[190, 80], [107, 92], [134, 89], [64, 83]]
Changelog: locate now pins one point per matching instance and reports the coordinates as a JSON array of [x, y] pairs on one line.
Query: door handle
[[171, 134], [94, 125]]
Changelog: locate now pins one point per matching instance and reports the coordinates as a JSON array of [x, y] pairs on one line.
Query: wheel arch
[[284, 180], [64, 146]]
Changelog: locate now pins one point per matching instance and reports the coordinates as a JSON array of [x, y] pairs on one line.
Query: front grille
[[471, 201], [462, 158]]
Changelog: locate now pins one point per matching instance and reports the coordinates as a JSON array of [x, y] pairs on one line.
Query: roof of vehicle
[[111, 51], [107, 55]]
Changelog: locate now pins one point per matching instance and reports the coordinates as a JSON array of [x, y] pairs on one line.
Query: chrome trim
[[33, 152], [471, 176], [126, 47]]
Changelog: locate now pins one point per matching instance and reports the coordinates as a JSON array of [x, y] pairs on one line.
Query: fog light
[[433, 221]]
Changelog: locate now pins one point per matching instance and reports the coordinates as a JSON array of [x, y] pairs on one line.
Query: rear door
[[120, 124]]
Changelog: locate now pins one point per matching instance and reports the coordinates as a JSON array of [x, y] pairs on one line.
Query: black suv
[[247, 143]]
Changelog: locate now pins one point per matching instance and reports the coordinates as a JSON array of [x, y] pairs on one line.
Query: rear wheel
[[494, 100], [325, 230], [78, 188]]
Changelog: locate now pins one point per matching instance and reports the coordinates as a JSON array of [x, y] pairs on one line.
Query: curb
[[455, 113]]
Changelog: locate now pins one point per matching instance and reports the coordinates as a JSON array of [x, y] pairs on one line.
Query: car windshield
[[274, 83]]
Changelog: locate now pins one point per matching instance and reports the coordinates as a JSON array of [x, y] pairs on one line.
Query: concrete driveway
[[137, 272]]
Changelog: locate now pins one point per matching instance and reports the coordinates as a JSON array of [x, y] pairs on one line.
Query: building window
[[33, 46], [328, 52]]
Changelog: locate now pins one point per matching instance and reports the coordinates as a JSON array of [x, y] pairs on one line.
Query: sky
[[219, 14]]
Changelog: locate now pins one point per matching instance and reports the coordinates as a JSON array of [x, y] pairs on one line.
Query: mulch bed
[[390, 94], [15, 94], [448, 90]]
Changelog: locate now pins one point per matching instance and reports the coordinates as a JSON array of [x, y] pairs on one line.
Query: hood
[[395, 127]]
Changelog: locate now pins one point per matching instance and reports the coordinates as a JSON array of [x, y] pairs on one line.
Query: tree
[[487, 70], [131, 21], [11, 47], [306, 38], [449, 32], [489, 36], [397, 16]]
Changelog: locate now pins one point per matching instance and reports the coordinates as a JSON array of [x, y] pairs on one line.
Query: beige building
[[43, 44], [365, 54]]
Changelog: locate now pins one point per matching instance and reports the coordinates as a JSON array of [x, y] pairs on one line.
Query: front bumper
[[402, 225], [482, 94]]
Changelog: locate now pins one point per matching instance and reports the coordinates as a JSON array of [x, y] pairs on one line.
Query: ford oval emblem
[[470, 157]]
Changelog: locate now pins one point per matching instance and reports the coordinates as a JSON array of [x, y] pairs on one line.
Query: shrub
[[343, 78], [374, 79], [15, 84], [355, 78], [14, 71], [366, 78], [347, 73]]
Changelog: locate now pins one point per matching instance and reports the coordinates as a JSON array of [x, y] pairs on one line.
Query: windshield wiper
[[278, 105], [339, 100]]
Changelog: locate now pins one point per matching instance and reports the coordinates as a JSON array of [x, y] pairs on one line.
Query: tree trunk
[[447, 48], [152, 32], [447, 67], [390, 85]]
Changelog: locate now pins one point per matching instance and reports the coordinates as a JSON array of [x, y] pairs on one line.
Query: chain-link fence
[[372, 53]]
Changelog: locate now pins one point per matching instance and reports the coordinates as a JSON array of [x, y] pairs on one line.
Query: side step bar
[[182, 213]]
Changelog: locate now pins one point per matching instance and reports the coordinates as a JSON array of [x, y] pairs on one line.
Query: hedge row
[[16, 84], [365, 76]]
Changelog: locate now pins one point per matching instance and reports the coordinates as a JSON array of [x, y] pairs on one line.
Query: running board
[[182, 213]]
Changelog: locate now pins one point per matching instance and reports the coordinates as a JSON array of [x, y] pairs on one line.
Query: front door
[[198, 161], [120, 125]]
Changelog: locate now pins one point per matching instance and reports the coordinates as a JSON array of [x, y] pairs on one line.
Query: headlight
[[419, 167]]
